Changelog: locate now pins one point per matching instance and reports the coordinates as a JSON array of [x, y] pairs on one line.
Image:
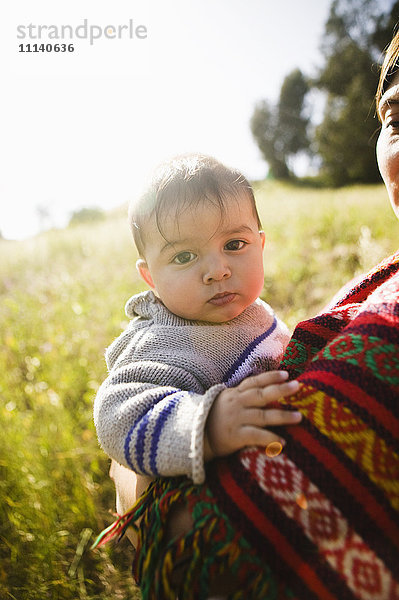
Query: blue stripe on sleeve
[[141, 425], [244, 355], [161, 420], [140, 443]]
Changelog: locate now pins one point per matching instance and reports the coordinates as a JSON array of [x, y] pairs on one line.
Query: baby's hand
[[239, 415]]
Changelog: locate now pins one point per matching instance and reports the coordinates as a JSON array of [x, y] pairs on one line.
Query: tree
[[281, 131], [345, 138], [356, 32], [386, 25], [352, 42], [263, 127]]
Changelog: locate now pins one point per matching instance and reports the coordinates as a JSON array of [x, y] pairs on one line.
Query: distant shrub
[[86, 215]]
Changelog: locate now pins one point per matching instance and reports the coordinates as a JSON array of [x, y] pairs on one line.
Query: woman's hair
[[388, 69], [182, 183]]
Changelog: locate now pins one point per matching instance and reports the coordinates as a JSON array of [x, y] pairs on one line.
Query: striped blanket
[[321, 520]]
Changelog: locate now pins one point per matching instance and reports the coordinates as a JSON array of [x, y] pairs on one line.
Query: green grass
[[62, 298]]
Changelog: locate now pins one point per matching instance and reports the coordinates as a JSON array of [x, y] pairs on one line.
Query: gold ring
[[273, 449]]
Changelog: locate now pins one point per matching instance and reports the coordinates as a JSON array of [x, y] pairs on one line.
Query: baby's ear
[[262, 237], [144, 272]]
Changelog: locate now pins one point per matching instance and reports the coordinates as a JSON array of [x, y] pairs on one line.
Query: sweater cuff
[[198, 430]]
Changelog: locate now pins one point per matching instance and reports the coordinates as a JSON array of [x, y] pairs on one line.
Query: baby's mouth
[[222, 298]]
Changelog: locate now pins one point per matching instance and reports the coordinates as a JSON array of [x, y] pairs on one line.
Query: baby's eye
[[235, 245], [184, 257], [393, 124]]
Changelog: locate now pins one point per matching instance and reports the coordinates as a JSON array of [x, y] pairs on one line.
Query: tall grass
[[61, 305], [62, 297]]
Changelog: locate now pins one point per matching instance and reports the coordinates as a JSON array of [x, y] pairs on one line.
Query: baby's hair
[[183, 183], [389, 69]]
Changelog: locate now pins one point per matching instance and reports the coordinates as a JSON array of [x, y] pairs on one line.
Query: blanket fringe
[[118, 528], [188, 566]]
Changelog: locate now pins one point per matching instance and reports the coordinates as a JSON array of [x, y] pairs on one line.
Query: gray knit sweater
[[164, 374]]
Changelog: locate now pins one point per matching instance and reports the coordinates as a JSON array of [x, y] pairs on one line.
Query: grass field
[[62, 298]]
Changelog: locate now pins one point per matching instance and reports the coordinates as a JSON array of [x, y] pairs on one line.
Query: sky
[[147, 79]]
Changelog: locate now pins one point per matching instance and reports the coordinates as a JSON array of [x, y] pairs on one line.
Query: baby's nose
[[216, 270]]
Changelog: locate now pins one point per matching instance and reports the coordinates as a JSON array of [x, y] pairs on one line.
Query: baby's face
[[210, 266]]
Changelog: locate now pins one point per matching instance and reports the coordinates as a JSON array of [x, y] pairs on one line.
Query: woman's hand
[[240, 415]]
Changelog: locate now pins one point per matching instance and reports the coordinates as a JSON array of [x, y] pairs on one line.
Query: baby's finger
[[253, 436], [271, 393], [261, 396], [269, 417], [262, 380]]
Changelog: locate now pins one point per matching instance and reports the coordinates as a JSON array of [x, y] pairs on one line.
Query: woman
[[321, 520]]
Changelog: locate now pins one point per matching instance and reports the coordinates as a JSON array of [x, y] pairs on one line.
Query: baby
[[193, 374]]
